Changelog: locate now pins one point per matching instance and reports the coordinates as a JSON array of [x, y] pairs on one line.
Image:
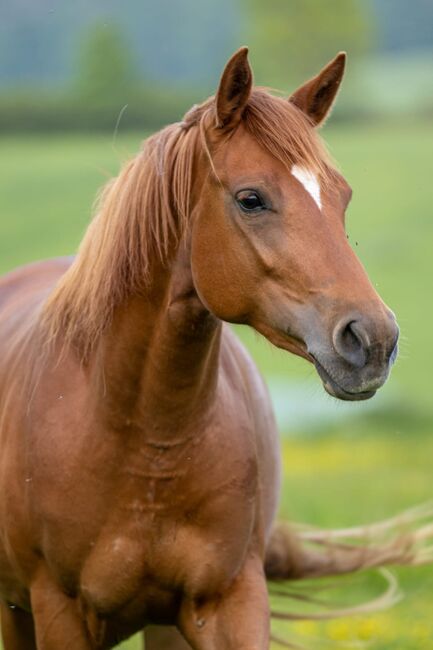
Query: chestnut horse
[[139, 454]]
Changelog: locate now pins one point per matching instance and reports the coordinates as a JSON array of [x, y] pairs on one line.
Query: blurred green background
[[82, 84]]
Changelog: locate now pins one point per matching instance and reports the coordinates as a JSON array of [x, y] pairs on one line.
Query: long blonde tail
[[299, 551]]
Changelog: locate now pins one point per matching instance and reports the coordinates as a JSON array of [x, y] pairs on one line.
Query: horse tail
[[300, 551], [297, 552]]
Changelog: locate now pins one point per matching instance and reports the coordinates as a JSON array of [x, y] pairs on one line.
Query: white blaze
[[309, 181]]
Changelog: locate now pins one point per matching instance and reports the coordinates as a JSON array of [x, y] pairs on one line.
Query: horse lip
[[334, 389]]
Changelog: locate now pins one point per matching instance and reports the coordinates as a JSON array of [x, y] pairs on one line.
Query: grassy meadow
[[362, 464]]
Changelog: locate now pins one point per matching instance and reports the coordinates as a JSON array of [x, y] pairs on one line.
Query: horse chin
[[335, 390], [339, 393]]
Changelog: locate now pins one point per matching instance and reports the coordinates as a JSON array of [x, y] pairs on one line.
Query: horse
[[140, 469]]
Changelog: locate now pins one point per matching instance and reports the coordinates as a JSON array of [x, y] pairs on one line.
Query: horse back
[[23, 290]]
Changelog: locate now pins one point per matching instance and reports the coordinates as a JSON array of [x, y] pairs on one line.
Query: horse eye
[[250, 201]]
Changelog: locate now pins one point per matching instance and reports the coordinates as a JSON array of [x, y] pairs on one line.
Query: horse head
[[268, 241]]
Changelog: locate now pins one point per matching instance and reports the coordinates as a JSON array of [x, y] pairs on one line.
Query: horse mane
[[145, 210]]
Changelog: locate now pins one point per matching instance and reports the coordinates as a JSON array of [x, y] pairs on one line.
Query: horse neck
[[160, 356]]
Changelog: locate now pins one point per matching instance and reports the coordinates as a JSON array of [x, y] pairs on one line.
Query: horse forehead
[[242, 151], [310, 182]]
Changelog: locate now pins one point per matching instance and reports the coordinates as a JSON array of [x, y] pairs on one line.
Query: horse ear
[[234, 90], [316, 96]]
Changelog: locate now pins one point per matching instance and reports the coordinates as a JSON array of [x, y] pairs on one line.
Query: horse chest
[[169, 541], [134, 578]]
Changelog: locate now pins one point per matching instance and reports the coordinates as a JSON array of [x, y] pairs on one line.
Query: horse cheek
[[223, 273]]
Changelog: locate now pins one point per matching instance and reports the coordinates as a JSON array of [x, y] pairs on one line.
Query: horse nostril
[[351, 341]]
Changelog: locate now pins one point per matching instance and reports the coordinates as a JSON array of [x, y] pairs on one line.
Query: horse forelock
[[280, 127], [286, 133], [142, 213]]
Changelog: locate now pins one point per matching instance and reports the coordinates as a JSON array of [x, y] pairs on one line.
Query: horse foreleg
[[164, 638], [58, 620], [237, 620], [17, 629]]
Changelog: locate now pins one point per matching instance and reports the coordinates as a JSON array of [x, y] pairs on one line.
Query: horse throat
[[159, 358]]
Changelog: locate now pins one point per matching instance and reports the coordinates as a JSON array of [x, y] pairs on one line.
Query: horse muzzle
[[359, 357]]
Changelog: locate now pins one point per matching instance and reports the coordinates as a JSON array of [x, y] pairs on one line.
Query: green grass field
[[363, 465]]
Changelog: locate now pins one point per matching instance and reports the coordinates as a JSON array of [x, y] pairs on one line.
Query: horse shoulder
[[264, 428]]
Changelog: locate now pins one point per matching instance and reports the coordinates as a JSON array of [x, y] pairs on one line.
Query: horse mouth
[[335, 390], [288, 342]]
